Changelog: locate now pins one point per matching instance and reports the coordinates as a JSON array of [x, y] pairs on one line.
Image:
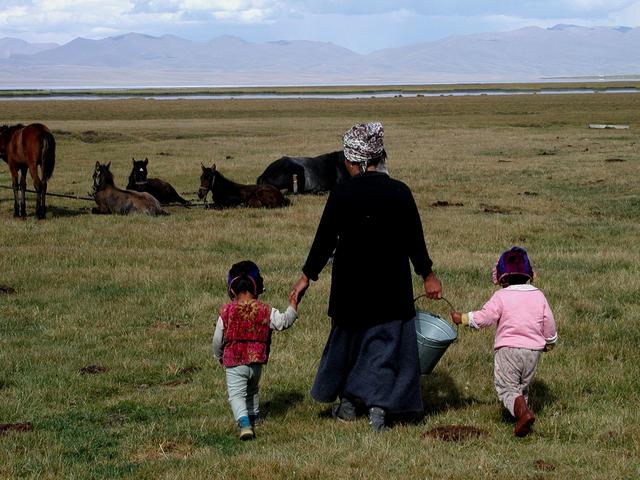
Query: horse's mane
[[10, 128], [108, 176]]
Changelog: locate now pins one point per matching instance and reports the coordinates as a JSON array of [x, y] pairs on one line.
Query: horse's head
[[207, 178], [139, 171], [102, 176]]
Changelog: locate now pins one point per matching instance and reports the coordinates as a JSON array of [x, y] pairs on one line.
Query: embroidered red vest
[[247, 332]]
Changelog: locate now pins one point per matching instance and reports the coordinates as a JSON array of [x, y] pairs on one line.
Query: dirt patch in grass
[[529, 194], [543, 466], [93, 370], [92, 136], [498, 209], [15, 427], [116, 420], [167, 449], [614, 160], [455, 433], [176, 382], [7, 289], [445, 203]]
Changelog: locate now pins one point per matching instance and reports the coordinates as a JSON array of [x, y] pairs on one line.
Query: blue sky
[[360, 25]]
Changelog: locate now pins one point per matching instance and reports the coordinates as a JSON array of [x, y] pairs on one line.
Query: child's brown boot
[[524, 416]]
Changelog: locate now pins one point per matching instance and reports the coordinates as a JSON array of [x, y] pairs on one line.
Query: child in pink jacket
[[525, 327]]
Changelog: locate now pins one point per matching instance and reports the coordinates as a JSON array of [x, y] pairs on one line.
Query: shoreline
[[319, 92], [622, 86]]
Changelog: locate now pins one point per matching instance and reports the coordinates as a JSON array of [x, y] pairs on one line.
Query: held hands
[[456, 317], [298, 291], [432, 287]]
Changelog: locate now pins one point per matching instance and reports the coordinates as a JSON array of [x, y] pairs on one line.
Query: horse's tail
[[48, 155]]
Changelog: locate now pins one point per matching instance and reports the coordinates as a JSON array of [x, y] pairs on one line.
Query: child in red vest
[[242, 339]]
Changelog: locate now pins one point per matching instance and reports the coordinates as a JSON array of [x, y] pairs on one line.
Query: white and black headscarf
[[363, 142]]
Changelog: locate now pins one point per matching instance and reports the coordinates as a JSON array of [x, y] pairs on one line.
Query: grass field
[[135, 298]]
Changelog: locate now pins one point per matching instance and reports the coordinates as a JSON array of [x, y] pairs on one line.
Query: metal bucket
[[435, 335]]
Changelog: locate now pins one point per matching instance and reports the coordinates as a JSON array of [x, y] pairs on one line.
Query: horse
[[313, 174], [226, 193], [28, 147], [110, 199], [163, 191]]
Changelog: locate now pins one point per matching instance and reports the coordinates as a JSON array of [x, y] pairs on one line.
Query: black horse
[[163, 191], [314, 174], [226, 193]]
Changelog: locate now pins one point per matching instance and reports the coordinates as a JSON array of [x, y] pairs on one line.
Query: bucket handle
[[441, 298], [448, 303]]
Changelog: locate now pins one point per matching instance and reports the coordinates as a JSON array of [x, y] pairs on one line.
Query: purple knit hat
[[514, 261]]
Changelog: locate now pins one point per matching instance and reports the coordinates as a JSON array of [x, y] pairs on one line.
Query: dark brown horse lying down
[[226, 193], [111, 199], [27, 148], [163, 191]]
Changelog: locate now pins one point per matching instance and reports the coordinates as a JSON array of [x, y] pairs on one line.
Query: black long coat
[[373, 224]]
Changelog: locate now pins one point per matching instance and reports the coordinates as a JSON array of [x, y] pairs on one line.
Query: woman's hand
[[432, 286], [299, 290]]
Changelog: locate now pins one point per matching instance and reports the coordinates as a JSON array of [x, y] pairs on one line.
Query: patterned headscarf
[[363, 142]]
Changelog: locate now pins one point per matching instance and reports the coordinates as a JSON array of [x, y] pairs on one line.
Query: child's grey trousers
[[242, 387], [513, 372]]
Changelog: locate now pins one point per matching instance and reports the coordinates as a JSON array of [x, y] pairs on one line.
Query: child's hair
[[244, 276], [513, 267]]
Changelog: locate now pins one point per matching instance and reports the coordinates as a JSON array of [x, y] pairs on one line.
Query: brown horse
[[226, 193], [111, 199], [25, 148]]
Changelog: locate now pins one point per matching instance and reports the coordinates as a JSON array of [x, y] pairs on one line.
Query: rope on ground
[[90, 199]]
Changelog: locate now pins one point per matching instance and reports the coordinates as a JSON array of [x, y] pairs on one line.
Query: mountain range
[[527, 54]]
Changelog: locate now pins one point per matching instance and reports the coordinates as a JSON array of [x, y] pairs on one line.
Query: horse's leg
[[23, 192], [37, 185], [43, 200], [15, 184]]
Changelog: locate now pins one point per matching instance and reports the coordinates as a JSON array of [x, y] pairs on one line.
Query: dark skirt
[[378, 365]]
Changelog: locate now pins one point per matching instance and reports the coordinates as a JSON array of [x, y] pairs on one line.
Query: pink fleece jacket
[[523, 317]]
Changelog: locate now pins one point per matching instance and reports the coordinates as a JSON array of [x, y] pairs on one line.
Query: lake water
[[381, 94]]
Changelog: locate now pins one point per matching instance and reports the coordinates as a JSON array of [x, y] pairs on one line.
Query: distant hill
[[527, 54], [14, 46]]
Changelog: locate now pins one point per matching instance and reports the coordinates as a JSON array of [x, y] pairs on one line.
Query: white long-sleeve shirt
[[278, 321]]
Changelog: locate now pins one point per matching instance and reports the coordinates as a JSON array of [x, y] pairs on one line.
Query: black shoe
[[345, 410], [377, 419]]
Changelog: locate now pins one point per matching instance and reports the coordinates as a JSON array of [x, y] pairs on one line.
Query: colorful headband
[[230, 283]]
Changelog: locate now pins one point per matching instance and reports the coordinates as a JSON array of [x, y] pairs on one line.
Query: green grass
[[138, 296]]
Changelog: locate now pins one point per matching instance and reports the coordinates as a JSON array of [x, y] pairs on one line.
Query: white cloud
[[345, 22], [629, 15]]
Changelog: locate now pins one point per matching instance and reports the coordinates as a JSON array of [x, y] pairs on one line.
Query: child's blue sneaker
[[246, 430]]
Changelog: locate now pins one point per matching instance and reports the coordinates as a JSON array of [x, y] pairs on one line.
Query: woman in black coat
[[373, 224]]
